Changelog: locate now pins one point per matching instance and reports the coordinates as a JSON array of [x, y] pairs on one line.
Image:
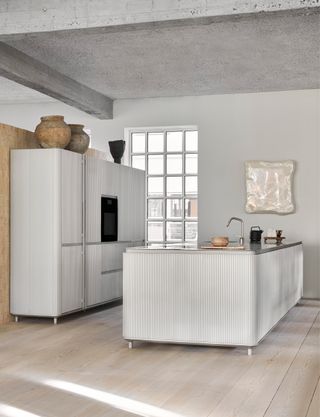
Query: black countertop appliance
[[255, 234]]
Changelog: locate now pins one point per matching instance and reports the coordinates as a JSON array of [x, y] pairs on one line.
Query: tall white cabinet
[[58, 263], [46, 232], [103, 268]]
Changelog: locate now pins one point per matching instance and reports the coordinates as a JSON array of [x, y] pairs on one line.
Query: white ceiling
[[13, 93]]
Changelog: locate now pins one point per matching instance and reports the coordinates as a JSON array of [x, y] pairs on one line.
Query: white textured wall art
[[269, 187]]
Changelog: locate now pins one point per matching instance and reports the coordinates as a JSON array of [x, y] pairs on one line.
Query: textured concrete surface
[[264, 52], [25, 16], [19, 67]]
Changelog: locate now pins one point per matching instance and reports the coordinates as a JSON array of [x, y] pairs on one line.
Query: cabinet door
[[93, 275], [71, 278], [102, 178], [71, 197], [128, 184], [94, 176], [131, 204], [138, 205], [125, 221], [111, 285], [111, 179], [35, 231]]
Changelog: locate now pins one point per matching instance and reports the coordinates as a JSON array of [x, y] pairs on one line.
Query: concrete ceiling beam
[[21, 68], [22, 17]]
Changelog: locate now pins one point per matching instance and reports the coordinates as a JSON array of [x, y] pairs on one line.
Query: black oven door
[[109, 219]]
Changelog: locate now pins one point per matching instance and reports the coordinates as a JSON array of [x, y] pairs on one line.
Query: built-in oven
[[109, 219]]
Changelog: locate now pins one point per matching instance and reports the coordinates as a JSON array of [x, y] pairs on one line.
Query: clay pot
[[53, 132], [117, 148], [79, 141]]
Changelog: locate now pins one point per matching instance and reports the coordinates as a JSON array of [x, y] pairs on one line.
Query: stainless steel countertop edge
[[250, 248]]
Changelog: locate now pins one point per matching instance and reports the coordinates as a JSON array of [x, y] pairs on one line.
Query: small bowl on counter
[[219, 241]]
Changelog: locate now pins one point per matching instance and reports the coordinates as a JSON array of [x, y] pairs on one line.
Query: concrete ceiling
[[264, 52]]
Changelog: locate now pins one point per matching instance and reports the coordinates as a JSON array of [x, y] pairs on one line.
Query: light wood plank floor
[[83, 368]]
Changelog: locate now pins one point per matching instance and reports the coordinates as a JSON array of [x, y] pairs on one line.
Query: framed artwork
[[269, 187]]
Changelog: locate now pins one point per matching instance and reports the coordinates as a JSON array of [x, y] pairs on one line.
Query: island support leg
[[130, 344], [16, 319], [249, 351]]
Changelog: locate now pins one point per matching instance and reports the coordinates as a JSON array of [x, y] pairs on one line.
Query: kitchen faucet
[[241, 240]]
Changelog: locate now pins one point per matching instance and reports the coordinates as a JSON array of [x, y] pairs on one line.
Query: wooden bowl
[[220, 241]]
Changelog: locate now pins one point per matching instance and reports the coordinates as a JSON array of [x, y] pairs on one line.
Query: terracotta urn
[[53, 132], [79, 141]]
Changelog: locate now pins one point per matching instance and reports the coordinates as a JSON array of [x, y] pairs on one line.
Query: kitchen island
[[185, 294]]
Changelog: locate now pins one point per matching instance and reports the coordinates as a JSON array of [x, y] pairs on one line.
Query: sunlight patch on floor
[[122, 403], [9, 411]]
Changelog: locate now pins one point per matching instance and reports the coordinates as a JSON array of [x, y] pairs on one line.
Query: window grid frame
[[164, 198]]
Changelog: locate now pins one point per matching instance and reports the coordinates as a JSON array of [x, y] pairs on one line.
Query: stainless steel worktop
[[256, 248]]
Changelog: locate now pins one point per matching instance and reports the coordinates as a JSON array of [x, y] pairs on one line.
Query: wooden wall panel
[[10, 138]]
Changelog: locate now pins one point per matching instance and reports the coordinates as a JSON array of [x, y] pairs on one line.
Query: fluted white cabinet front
[[104, 259], [71, 279], [46, 232], [207, 297], [104, 178], [58, 262], [195, 298], [104, 272], [71, 198]]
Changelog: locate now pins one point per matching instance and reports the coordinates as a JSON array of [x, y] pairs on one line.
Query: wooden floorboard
[[297, 388], [314, 407], [39, 360], [251, 395]]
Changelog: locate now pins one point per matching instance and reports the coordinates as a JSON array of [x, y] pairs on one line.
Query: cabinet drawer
[[112, 256], [111, 285], [103, 287], [71, 279], [93, 275]]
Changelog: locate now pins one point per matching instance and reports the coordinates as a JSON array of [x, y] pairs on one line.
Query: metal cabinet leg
[[55, 320], [249, 351], [130, 344], [16, 319]]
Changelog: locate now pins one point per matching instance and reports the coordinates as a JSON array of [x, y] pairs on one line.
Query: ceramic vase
[[117, 148], [53, 132], [79, 141]]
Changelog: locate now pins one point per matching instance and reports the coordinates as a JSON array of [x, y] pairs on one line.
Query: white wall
[[232, 129]]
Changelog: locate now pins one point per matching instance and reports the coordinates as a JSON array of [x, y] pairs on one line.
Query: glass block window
[[170, 159]]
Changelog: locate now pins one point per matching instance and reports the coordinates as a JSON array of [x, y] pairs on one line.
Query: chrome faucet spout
[[234, 218], [241, 239]]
